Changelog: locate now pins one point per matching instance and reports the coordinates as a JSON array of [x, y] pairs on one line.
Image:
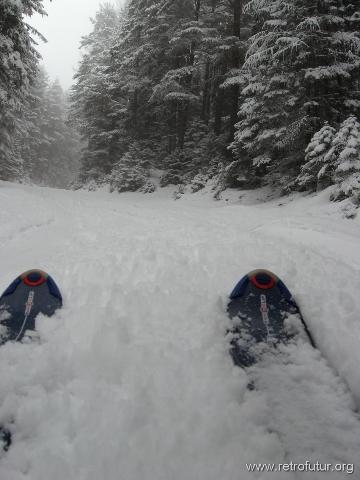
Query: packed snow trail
[[132, 379]]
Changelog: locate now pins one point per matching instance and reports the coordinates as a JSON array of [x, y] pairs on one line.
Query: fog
[[66, 23]]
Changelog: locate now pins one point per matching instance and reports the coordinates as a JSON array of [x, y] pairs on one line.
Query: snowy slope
[[132, 379]]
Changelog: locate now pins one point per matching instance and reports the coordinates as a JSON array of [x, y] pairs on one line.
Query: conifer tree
[[29, 139], [60, 149], [315, 173], [47, 146], [18, 68], [94, 100], [345, 159], [131, 172], [302, 66]]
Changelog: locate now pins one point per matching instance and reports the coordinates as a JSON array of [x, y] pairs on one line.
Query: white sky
[[66, 23]]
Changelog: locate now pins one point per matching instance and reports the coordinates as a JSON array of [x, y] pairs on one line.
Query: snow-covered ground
[[132, 379]]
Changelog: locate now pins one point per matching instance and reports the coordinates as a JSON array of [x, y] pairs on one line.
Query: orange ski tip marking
[[263, 279], [34, 278]]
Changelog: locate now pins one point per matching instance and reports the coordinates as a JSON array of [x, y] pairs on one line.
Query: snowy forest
[[36, 143], [227, 93]]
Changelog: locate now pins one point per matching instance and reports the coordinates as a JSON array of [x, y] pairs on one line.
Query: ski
[[31, 293]]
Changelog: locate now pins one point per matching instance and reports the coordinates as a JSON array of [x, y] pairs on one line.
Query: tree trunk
[[205, 113], [197, 6], [219, 100], [235, 64], [135, 113], [184, 111], [183, 114], [172, 127]]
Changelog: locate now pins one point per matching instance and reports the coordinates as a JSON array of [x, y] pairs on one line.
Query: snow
[[310, 24], [330, 72], [132, 378]]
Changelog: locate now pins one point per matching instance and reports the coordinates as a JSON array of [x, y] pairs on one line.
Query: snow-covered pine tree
[[29, 140], [344, 157], [131, 172], [179, 89], [18, 67], [303, 64], [49, 164], [315, 173], [61, 147], [93, 99], [47, 146], [138, 60], [197, 161]]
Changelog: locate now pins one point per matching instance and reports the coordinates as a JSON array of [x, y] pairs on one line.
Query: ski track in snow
[[132, 378]]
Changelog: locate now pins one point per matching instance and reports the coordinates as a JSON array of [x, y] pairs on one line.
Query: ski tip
[[34, 278], [262, 279]]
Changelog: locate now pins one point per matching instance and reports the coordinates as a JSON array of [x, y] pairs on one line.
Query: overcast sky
[[66, 23]]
